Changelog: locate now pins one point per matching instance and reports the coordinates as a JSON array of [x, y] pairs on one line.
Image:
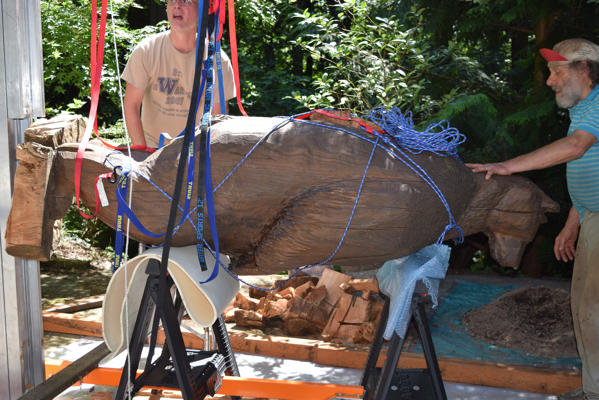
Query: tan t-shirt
[[166, 77]]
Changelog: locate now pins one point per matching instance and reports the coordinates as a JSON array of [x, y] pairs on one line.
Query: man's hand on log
[[490, 169]]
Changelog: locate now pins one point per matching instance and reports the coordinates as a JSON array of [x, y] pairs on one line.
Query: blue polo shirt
[[583, 173]]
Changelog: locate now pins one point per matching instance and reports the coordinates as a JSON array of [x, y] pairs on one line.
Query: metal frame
[[392, 382], [236, 386], [21, 99]]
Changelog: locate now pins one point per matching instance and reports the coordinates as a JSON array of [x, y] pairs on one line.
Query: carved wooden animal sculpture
[[288, 203]]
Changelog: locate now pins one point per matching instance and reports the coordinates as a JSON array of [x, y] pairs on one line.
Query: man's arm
[[132, 107], [564, 247], [563, 150]]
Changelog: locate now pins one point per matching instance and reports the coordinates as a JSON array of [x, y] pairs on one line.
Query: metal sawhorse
[[391, 383]]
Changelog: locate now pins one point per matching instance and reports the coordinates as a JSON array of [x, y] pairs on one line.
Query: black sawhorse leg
[[196, 373], [392, 383]]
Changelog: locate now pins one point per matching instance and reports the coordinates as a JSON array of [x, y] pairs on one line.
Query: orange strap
[[359, 121], [233, 40], [96, 60]]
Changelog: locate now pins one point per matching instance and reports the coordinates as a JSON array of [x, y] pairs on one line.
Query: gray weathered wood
[[28, 230], [56, 131]]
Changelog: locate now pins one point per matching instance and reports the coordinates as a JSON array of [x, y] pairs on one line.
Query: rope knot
[[449, 227]]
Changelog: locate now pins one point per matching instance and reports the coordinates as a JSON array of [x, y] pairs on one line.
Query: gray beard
[[570, 95], [566, 102]]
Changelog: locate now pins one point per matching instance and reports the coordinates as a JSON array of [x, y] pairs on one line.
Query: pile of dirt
[[533, 320]]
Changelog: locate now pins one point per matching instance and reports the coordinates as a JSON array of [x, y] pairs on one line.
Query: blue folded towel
[[397, 279]]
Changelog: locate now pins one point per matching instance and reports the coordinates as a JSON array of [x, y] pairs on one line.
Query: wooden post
[[56, 131], [28, 230]]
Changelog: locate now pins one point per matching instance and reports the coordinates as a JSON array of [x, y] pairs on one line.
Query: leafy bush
[[66, 42], [474, 64]]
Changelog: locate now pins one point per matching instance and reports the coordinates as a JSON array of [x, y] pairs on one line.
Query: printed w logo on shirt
[[167, 85]]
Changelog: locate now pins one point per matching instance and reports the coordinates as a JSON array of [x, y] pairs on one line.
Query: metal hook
[[112, 178]]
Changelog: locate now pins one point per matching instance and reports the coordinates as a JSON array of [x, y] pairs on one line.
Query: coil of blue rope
[[438, 137]]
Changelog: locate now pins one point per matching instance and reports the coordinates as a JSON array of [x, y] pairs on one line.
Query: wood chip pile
[[334, 307]]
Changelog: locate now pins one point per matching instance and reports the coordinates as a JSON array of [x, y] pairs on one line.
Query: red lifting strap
[[367, 126], [233, 40], [96, 61], [218, 6]]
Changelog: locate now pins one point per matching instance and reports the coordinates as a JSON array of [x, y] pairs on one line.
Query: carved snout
[[514, 208]]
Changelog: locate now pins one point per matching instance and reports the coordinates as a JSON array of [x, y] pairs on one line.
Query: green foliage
[[66, 41], [114, 133], [93, 231], [473, 63], [481, 262], [376, 56], [271, 66], [367, 59]]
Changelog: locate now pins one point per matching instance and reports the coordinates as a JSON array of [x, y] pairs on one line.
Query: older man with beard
[[574, 74]]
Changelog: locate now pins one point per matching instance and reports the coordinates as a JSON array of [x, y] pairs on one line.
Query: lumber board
[[29, 230], [332, 280], [71, 323], [85, 303], [66, 377], [240, 386], [517, 377], [56, 131]]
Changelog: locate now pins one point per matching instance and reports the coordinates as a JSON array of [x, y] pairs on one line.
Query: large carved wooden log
[[288, 203]]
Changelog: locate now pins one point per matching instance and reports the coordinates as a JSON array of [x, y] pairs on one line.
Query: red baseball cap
[[550, 55], [570, 50]]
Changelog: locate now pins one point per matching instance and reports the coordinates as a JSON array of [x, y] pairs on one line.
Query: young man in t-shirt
[[159, 76]]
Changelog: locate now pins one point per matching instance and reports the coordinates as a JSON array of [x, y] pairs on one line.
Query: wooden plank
[[362, 285], [534, 379], [81, 307], [82, 304], [246, 387], [28, 228], [56, 131], [72, 324], [74, 372], [332, 279]]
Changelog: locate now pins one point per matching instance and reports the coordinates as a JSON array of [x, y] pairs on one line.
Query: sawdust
[[534, 320]]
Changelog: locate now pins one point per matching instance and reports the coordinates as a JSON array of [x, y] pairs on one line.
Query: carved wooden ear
[[507, 250], [547, 203]]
